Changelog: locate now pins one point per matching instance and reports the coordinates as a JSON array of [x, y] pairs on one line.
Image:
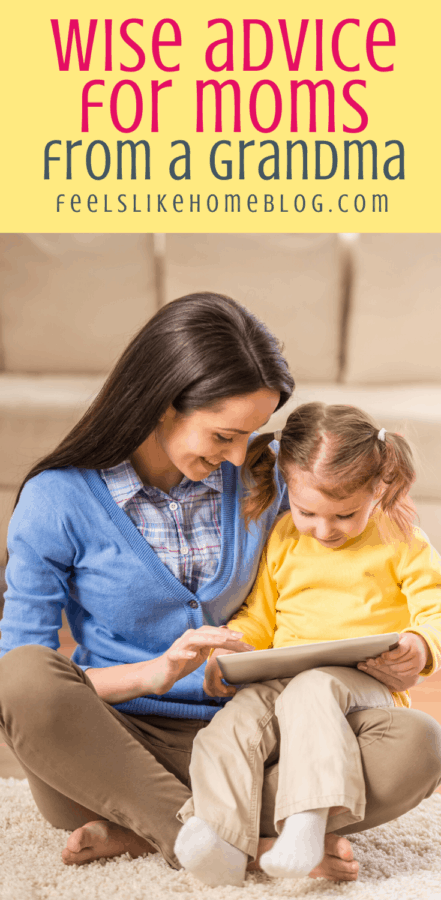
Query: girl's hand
[[399, 669], [188, 652], [213, 685]]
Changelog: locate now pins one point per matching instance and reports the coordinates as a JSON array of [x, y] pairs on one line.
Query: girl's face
[[197, 443], [330, 522]]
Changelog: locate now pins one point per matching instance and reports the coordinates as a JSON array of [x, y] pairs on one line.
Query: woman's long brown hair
[[194, 352]]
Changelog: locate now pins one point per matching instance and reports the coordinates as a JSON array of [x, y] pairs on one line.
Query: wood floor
[[426, 696]]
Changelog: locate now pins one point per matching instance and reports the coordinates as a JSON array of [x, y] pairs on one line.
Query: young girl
[[344, 562]]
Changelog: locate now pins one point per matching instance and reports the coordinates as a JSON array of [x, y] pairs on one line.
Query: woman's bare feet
[[338, 863], [102, 839]]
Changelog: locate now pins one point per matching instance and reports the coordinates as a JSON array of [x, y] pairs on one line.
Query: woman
[[133, 526]]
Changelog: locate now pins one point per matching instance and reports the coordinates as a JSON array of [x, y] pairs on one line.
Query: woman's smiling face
[[196, 443]]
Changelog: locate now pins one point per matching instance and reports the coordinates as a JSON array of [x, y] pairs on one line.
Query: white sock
[[207, 856], [299, 848]]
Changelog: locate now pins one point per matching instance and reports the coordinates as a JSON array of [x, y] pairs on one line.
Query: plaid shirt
[[182, 527]]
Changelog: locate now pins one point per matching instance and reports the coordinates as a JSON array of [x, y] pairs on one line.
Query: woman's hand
[[117, 684], [399, 669], [189, 651]]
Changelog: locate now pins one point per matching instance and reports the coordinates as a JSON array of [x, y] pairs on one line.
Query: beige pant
[[86, 760], [304, 719]]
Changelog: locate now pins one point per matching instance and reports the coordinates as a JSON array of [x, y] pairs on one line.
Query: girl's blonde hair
[[340, 447]]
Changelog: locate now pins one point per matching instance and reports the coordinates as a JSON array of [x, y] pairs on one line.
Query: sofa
[[359, 317]]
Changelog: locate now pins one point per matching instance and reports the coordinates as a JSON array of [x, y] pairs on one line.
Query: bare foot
[[338, 863], [102, 839]]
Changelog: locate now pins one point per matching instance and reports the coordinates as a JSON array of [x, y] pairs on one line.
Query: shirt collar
[[123, 483]]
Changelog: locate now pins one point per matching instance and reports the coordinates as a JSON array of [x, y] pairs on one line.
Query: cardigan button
[[194, 604]]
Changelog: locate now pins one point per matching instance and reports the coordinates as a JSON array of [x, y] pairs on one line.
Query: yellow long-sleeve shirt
[[305, 592]]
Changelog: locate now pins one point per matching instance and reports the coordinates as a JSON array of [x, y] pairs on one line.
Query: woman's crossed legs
[[118, 781]]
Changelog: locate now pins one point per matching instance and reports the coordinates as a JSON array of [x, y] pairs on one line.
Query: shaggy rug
[[398, 861]]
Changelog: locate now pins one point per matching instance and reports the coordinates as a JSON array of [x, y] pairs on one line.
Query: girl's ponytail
[[258, 476], [397, 474]]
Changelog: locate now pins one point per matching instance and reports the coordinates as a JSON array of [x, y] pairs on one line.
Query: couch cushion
[[395, 319], [290, 281], [36, 412], [413, 410], [71, 302]]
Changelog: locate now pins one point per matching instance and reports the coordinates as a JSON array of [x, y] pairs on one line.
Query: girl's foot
[[300, 847], [102, 839], [338, 863], [202, 852]]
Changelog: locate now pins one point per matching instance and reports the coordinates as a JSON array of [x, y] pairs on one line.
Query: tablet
[[284, 662]]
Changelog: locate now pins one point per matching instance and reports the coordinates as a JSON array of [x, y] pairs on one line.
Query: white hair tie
[[381, 434], [278, 436]]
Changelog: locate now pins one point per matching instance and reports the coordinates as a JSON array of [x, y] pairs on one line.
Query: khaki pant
[[320, 765], [85, 760]]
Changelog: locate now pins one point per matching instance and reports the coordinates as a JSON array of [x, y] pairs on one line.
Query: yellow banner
[[220, 117]]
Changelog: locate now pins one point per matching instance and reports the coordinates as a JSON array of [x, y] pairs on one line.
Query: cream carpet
[[399, 861]]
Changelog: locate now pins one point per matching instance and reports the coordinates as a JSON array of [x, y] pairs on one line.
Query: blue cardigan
[[72, 547]]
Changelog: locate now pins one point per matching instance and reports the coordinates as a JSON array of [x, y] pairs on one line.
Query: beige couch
[[360, 320]]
